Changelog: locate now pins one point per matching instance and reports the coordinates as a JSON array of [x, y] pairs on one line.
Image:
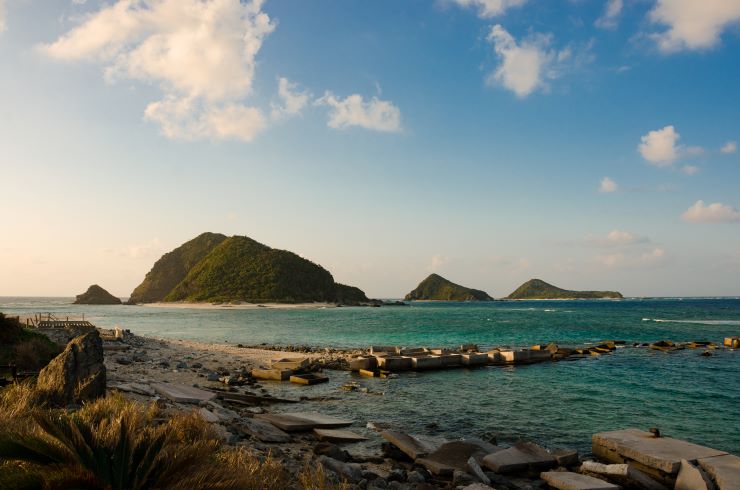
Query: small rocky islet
[[96, 295]]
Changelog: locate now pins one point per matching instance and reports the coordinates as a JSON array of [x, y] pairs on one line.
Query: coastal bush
[[23, 347], [114, 443]]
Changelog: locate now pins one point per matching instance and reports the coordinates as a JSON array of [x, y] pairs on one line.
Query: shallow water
[[559, 404]]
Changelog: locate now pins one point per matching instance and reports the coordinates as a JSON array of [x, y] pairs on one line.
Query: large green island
[[213, 267], [437, 288], [539, 289]]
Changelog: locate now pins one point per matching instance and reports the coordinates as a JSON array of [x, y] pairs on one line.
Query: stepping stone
[[262, 430], [409, 445], [337, 435], [521, 457], [660, 453], [692, 478], [182, 393], [454, 455], [565, 480], [293, 363], [272, 374], [308, 379], [303, 421], [725, 470]]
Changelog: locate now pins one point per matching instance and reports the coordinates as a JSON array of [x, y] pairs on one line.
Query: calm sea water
[[558, 404]]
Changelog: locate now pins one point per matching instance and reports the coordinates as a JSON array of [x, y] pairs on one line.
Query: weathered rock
[[624, 474], [338, 435], [454, 455], [475, 470], [521, 457], [123, 360], [566, 457], [209, 416], [350, 471], [565, 480], [303, 421], [335, 452], [77, 374], [725, 470], [460, 478], [692, 478], [183, 394], [262, 430]]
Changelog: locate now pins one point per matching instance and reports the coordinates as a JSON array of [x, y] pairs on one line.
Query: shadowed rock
[[77, 374]]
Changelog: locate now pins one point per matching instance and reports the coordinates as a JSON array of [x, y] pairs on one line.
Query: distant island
[[437, 288], [216, 268], [539, 289], [95, 295]]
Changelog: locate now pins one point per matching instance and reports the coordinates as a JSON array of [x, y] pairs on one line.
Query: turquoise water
[[558, 404]]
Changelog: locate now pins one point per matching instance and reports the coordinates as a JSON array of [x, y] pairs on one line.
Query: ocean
[[560, 404]]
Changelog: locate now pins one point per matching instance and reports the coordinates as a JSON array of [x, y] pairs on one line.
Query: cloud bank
[[716, 212]]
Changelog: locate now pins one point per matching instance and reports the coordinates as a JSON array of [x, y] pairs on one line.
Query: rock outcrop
[[437, 288], [95, 295], [539, 289], [77, 374]]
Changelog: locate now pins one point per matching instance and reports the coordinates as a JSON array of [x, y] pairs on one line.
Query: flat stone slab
[[263, 431], [565, 480], [272, 374], [661, 453], [338, 435], [521, 457], [725, 470], [182, 393], [454, 455], [409, 445], [303, 421]]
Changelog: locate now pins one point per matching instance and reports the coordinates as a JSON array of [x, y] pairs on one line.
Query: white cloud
[[608, 185], [490, 8], [649, 258], [201, 53], [692, 24], [292, 101], [690, 169], [527, 65], [375, 114], [609, 18], [659, 147], [437, 262], [729, 147], [712, 213], [616, 238]]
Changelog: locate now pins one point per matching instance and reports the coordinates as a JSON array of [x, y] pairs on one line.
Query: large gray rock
[[454, 455], [77, 374], [524, 456], [350, 471]]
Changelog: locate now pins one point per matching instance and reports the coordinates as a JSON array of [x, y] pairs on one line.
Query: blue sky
[[589, 143]]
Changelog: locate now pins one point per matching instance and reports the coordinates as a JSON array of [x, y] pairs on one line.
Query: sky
[[592, 144]]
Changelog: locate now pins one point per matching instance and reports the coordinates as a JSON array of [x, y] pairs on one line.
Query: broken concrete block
[[272, 374], [469, 348], [495, 357], [451, 359], [367, 363], [337, 435], [308, 379], [475, 470], [732, 342], [350, 471], [303, 421], [413, 352], [409, 445], [625, 474], [523, 456], [426, 362], [474, 359], [395, 363], [454, 455], [292, 363], [385, 349], [262, 430], [725, 470], [182, 393], [566, 457], [660, 453], [565, 480], [692, 478], [525, 356], [209, 416]]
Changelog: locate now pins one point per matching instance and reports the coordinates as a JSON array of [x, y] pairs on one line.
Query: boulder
[[77, 374], [262, 431], [350, 471]]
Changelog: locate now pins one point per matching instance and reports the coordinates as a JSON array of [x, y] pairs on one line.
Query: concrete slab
[[454, 455], [733, 342], [413, 352], [451, 360], [367, 363], [523, 456], [182, 393], [272, 374], [469, 348], [660, 453], [626, 474], [385, 349], [474, 359], [525, 356], [426, 362], [308, 379], [724, 470], [495, 357], [565, 480], [293, 363], [262, 430], [303, 421], [692, 478], [409, 445], [338, 435], [395, 363]]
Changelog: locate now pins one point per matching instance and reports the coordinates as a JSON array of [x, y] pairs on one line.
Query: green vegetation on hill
[[437, 288], [95, 295], [240, 269], [172, 268], [23, 347], [539, 289]]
